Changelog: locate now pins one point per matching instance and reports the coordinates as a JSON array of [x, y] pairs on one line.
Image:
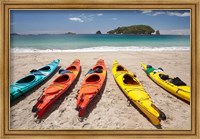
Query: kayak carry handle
[[36, 72]]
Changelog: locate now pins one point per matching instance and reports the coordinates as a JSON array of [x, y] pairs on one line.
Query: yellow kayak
[[172, 85], [134, 90]]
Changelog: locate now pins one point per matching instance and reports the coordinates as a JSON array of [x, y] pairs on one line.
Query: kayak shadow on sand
[[94, 102], [34, 89], [129, 102], [63, 97]]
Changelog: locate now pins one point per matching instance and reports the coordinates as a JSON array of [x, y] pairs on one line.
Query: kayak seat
[[89, 72], [120, 68], [27, 79], [127, 79], [63, 71], [98, 67], [97, 70], [164, 77], [93, 78], [62, 78], [36, 72]]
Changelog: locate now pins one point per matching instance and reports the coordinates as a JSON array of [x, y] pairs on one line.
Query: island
[[70, 33], [98, 32], [14, 34], [134, 29], [157, 32]]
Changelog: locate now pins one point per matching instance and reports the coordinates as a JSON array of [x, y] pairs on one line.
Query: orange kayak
[[58, 87], [91, 86]]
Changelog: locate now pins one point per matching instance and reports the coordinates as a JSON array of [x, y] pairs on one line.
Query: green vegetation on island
[[134, 29]]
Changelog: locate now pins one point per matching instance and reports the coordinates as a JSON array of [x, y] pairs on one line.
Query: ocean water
[[93, 42]]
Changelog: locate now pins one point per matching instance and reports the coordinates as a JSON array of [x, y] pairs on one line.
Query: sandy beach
[[109, 110]]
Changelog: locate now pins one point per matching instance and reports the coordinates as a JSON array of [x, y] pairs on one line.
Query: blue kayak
[[34, 78]]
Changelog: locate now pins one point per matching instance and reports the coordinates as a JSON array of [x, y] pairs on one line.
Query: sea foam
[[102, 49]]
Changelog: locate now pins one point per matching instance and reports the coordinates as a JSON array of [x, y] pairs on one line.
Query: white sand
[[109, 110]]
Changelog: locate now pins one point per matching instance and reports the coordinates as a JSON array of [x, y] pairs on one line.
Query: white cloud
[[152, 13], [114, 18], [178, 14], [83, 18], [176, 32], [156, 13], [146, 11], [99, 14], [87, 18], [76, 19]]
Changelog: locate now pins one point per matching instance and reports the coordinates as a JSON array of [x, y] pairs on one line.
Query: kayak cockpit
[[176, 81], [63, 78], [98, 67], [93, 78], [72, 68], [26, 79], [46, 68], [128, 80], [120, 68]]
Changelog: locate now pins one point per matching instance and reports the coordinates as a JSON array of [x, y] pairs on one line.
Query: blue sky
[[89, 21]]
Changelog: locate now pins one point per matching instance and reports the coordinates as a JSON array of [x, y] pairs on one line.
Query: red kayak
[[58, 87], [91, 86]]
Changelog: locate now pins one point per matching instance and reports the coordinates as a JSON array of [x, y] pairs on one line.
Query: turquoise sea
[[93, 42]]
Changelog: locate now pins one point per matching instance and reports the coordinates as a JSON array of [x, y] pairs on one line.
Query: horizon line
[[14, 33]]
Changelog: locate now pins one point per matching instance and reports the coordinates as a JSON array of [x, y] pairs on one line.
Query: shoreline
[[101, 49], [110, 110]]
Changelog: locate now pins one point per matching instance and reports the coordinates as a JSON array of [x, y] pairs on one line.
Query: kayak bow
[[34, 78]]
